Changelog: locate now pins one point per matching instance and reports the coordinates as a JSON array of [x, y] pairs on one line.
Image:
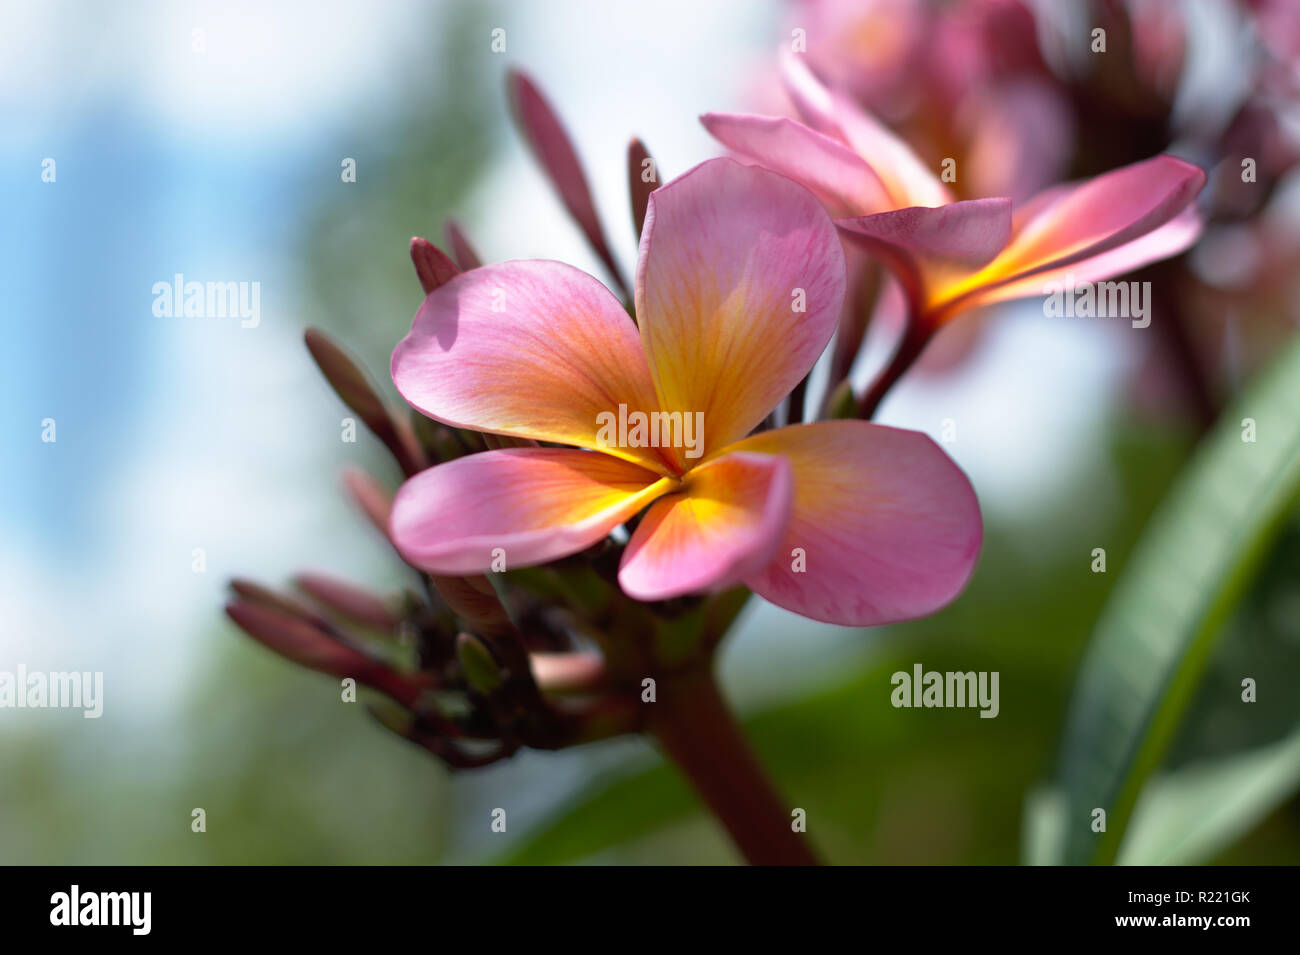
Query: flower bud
[[350, 384], [348, 600], [432, 265], [369, 496], [638, 186], [554, 151]]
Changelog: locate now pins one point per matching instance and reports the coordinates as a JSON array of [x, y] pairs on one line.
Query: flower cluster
[[568, 560], [1012, 97]]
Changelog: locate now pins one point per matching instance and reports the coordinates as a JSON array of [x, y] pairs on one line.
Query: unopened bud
[[296, 639], [350, 384], [551, 146], [255, 593], [639, 184], [432, 265], [348, 600], [367, 494]]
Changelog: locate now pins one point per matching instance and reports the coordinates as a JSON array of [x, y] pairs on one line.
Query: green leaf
[[1198, 555], [1187, 816], [1044, 826]]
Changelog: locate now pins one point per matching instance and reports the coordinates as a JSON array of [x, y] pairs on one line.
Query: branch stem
[[698, 733], [909, 349]]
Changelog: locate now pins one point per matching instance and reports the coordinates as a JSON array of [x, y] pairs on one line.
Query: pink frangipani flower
[[739, 283], [954, 256]]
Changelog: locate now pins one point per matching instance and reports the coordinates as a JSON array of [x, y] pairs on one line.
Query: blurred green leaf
[[1187, 816], [1044, 825], [1193, 564]]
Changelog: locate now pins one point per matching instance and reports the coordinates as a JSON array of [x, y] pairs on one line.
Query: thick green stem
[[698, 733]]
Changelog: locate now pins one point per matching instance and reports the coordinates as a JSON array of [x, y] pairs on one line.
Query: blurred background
[[208, 138]]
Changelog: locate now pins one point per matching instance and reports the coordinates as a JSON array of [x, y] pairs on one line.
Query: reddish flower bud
[[310, 646], [366, 492], [350, 384], [432, 265], [348, 600], [642, 179], [554, 151]]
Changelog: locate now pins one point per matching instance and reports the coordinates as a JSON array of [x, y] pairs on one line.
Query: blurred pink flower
[[872, 48], [738, 289], [960, 79]]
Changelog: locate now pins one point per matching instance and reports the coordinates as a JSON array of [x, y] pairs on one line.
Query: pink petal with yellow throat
[[517, 507], [531, 349], [1070, 224], [884, 527], [930, 248], [722, 526], [1170, 239], [738, 290]]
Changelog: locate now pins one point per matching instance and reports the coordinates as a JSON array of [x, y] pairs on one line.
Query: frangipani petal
[[910, 181], [1170, 239], [928, 248], [1070, 224], [840, 178], [885, 527], [811, 97], [525, 505], [531, 349], [721, 527], [738, 290], [907, 180]]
